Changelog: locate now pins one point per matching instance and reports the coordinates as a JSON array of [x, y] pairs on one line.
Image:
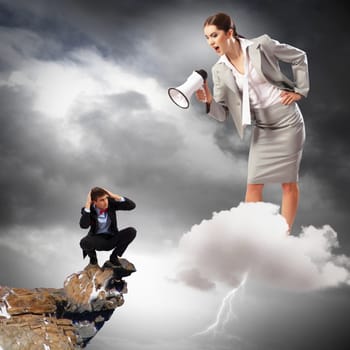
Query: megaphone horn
[[181, 95]]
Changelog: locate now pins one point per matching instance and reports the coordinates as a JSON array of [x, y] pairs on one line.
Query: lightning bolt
[[225, 312]]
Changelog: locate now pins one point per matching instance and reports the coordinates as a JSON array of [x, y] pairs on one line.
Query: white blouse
[[261, 93]]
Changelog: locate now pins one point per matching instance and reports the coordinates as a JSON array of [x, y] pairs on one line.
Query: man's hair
[[97, 192]]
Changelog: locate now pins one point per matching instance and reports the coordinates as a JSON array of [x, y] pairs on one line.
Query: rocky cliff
[[60, 319]]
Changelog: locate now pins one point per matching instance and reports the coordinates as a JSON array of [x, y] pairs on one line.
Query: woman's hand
[[289, 97], [204, 96]]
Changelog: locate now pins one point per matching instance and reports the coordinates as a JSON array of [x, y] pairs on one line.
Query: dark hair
[[97, 192], [223, 22]]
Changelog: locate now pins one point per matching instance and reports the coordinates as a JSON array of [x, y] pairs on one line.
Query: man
[[99, 214]]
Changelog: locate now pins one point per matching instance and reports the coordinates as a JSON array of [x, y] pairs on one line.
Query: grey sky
[[83, 102]]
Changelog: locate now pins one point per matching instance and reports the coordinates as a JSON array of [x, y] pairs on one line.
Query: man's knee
[[85, 243], [132, 232], [128, 233]]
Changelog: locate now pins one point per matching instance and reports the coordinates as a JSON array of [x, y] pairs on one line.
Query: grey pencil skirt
[[276, 147]]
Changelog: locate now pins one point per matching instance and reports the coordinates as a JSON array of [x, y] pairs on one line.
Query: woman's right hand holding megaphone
[[204, 95]]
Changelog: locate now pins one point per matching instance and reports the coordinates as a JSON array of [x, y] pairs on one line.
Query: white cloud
[[81, 84], [252, 238], [84, 76]]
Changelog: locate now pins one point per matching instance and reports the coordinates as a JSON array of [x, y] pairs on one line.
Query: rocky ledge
[[60, 319]]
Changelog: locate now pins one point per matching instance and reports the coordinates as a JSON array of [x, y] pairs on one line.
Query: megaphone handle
[[207, 104], [202, 89]]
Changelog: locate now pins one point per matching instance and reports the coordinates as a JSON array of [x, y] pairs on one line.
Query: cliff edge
[[60, 319]]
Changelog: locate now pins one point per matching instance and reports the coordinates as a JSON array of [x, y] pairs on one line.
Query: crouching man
[[99, 215]]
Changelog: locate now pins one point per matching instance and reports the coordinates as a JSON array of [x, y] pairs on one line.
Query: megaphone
[[181, 95]]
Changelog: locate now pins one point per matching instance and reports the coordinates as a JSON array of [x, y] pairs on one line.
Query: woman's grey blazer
[[265, 54]]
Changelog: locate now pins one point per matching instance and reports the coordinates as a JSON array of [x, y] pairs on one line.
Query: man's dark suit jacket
[[90, 219]]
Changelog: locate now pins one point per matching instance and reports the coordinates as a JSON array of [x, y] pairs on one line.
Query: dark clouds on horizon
[[148, 153], [124, 30]]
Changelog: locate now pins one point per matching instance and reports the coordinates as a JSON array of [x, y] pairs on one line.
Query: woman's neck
[[235, 51]]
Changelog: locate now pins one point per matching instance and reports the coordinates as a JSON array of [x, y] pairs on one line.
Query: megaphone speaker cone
[[179, 98], [181, 95]]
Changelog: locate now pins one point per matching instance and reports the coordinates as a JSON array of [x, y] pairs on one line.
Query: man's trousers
[[119, 242]]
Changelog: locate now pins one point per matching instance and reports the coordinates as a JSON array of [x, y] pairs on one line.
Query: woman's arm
[[297, 59], [216, 106]]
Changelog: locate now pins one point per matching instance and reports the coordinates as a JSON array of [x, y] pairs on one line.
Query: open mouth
[[217, 48]]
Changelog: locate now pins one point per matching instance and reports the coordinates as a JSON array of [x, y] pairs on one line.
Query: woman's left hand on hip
[[289, 97]]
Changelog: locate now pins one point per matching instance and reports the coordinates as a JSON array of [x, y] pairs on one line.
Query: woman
[[249, 85]]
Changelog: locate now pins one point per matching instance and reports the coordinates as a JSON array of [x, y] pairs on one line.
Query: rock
[[32, 332], [94, 289], [67, 318]]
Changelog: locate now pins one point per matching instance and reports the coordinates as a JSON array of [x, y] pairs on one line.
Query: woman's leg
[[254, 193], [290, 200]]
